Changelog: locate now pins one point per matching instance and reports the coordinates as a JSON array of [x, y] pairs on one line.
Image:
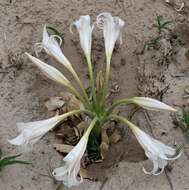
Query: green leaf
[[159, 19], [185, 115], [4, 159], [1, 153], [166, 23], [12, 157], [161, 24], [56, 32], [9, 160]]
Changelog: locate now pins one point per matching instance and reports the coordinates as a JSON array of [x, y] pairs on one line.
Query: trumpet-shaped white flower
[[155, 150], [151, 104], [112, 27], [31, 132], [52, 47], [49, 71], [85, 29], [68, 174]]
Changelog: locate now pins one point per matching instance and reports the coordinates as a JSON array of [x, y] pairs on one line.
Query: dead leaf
[[54, 103], [115, 137], [71, 102], [67, 134], [104, 146], [99, 81], [85, 174], [81, 127], [63, 148]]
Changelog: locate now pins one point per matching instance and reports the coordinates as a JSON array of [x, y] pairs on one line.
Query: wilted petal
[[49, 71], [155, 150], [68, 174], [112, 27], [85, 29], [151, 104]]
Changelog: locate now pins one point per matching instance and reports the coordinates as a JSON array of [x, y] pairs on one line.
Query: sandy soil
[[23, 90]]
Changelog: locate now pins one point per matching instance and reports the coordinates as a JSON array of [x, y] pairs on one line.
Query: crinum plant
[[93, 105]]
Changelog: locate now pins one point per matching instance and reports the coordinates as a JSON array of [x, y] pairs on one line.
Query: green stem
[[91, 75], [65, 115], [80, 84], [91, 114], [118, 102], [107, 77], [91, 126], [97, 132], [76, 112], [123, 119]]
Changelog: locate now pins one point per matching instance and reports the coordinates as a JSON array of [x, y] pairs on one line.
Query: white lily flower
[[112, 27], [85, 29], [31, 132], [52, 47], [49, 71], [151, 104], [68, 174], [155, 150]]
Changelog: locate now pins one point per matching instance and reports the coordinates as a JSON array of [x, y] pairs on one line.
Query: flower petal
[[52, 48], [60, 173], [155, 150], [68, 174], [158, 164], [152, 145], [112, 27], [151, 104], [19, 140], [49, 71], [31, 132], [85, 29]]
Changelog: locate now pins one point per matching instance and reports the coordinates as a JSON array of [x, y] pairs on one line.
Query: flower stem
[[91, 126], [118, 102], [80, 84], [123, 119], [75, 112], [92, 82], [65, 115], [107, 77]]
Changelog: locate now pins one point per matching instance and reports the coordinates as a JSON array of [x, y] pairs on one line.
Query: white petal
[[19, 140], [68, 174], [151, 104], [60, 173], [31, 132], [167, 150], [52, 47], [158, 164], [152, 145], [49, 71], [85, 29], [112, 27], [162, 163], [155, 167], [155, 150]]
